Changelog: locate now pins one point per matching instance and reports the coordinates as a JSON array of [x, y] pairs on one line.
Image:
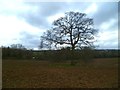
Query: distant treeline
[[14, 53], [64, 54]]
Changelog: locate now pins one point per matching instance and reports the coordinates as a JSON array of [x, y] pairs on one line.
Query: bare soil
[[101, 73]]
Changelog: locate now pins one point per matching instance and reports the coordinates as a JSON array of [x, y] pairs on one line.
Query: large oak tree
[[74, 30]]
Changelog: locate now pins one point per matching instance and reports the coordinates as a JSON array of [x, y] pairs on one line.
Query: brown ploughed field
[[101, 73]]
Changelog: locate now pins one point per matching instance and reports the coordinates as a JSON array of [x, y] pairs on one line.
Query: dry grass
[[102, 73]]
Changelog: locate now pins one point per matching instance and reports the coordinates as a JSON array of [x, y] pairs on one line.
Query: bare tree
[[17, 46], [74, 30], [44, 42]]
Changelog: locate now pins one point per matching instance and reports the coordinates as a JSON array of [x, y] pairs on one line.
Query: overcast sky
[[24, 22]]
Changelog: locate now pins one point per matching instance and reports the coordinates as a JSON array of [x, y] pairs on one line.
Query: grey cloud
[[106, 11], [29, 40], [108, 45], [36, 20], [79, 6], [114, 26], [51, 8], [44, 9], [111, 43]]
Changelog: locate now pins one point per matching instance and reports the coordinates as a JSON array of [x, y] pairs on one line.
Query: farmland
[[101, 73]]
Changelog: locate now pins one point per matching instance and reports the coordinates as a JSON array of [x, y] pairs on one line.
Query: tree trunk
[[73, 55], [73, 47]]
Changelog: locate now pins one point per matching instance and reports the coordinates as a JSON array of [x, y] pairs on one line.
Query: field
[[101, 73]]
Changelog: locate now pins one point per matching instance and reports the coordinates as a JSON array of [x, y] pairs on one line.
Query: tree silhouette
[[74, 30], [17, 46]]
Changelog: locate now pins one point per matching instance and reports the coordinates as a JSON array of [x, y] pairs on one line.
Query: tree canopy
[[75, 30]]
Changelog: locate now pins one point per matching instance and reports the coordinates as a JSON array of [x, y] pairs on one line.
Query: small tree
[[44, 43], [18, 46]]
